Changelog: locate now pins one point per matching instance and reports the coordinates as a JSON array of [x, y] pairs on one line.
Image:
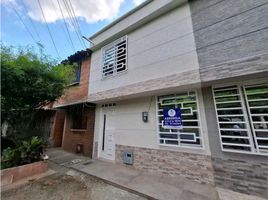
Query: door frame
[[106, 111]]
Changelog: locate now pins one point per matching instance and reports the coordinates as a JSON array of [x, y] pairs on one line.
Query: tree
[[29, 80]]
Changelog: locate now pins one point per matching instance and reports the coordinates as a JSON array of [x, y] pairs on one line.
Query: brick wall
[[77, 93], [242, 176], [193, 166], [71, 137]]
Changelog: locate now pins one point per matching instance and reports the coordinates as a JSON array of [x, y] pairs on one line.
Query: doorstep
[[150, 185]]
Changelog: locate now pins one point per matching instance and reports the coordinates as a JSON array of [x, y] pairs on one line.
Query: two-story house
[[142, 63], [208, 59], [73, 122]]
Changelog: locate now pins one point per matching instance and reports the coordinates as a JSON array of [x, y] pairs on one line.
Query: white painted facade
[[130, 130], [162, 47]]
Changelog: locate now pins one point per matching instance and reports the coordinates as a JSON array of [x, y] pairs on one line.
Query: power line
[[17, 13], [68, 36], [73, 23], [77, 24], [36, 32], [51, 37]]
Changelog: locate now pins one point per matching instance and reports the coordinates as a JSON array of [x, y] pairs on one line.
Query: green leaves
[[28, 151], [29, 79]]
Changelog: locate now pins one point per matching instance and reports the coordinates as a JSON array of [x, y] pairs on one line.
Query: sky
[[58, 25]]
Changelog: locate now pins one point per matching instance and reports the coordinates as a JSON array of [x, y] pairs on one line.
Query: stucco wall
[[130, 130], [139, 15], [158, 49]]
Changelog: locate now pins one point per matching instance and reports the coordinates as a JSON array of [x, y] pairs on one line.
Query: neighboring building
[[73, 122], [208, 58]]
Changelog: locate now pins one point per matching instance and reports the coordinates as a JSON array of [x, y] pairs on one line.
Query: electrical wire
[[76, 21], [50, 34], [68, 33], [72, 19], [20, 18], [72, 22], [33, 25]]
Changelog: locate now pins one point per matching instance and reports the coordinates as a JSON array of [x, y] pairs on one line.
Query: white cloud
[[89, 10], [138, 2]]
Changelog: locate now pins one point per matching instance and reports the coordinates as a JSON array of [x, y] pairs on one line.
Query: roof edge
[[120, 18]]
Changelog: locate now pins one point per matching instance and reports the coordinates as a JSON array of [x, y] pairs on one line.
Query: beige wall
[[158, 49], [150, 8], [130, 130]]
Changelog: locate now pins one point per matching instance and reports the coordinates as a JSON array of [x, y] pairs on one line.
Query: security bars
[[190, 135], [242, 116], [115, 57]]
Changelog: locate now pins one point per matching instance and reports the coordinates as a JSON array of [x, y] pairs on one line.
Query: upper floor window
[[242, 114], [114, 57], [77, 74], [190, 134]]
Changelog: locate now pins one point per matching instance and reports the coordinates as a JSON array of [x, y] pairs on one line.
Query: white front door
[[108, 142]]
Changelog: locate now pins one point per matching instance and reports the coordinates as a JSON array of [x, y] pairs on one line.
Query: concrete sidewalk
[[150, 185], [146, 184], [63, 158]]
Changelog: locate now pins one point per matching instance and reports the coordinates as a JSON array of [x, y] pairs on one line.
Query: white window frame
[[246, 114], [201, 146], [109, 46]]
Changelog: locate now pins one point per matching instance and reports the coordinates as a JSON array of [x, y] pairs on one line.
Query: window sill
[[245, 152], [73, 84], [114, 75]]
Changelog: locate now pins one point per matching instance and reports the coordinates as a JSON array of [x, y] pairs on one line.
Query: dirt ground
[[64, 187]]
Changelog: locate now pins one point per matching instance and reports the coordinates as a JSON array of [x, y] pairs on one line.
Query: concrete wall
[[158, 49], [228, 31]]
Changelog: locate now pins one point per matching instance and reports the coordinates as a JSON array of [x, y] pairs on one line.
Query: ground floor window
[[242, 116], [190, 134], [79, 117]]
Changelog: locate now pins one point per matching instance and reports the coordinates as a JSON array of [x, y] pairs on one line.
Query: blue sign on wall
[[172, 118]]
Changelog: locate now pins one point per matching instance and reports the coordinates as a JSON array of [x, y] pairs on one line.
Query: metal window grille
[[190, 135], [115, 57], [242, 116]]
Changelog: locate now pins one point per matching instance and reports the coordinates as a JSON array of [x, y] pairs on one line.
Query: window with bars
[[190, 134], [242, 116], [115, 57]]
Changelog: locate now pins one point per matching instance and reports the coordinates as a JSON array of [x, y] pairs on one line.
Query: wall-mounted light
[[145, 116]]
